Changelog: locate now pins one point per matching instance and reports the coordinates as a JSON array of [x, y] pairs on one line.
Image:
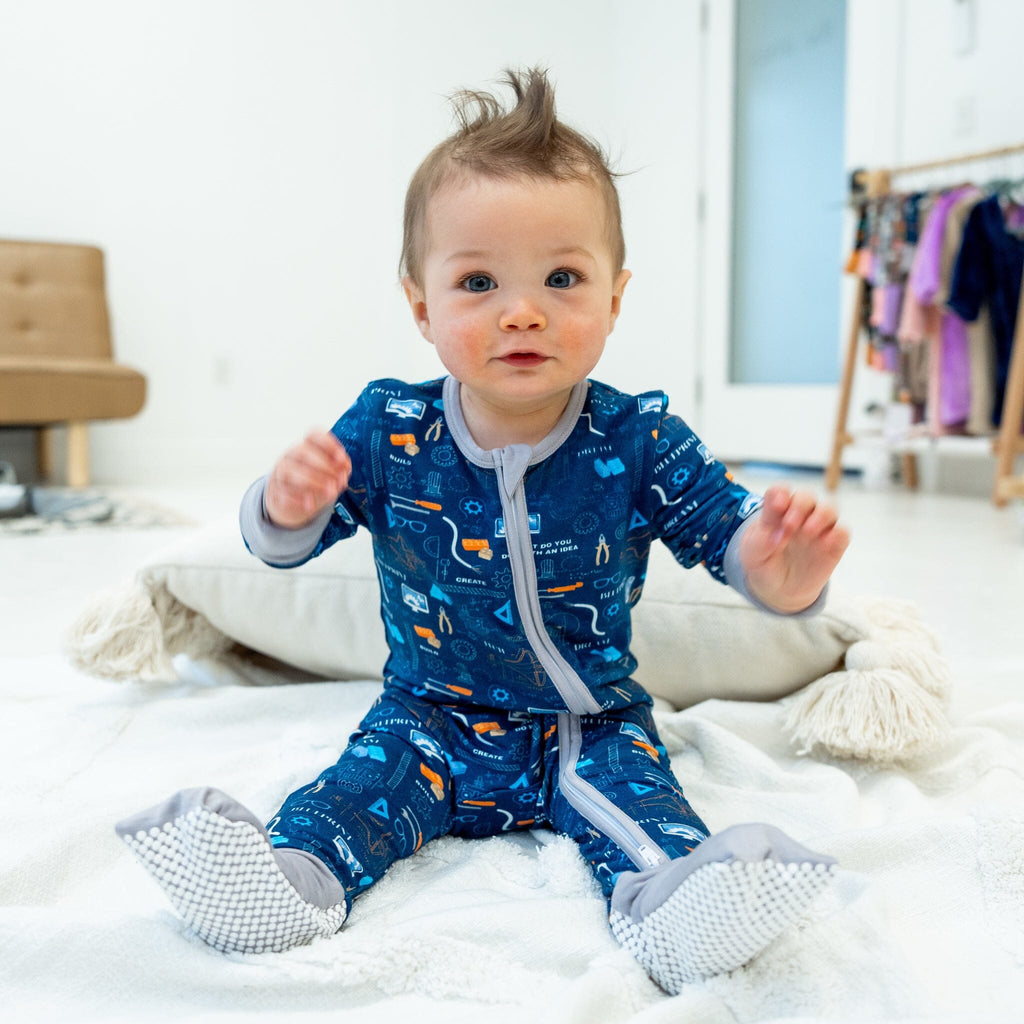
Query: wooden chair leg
[[78, 454]]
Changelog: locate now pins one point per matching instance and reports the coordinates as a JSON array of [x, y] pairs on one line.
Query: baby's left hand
[[789, 553]]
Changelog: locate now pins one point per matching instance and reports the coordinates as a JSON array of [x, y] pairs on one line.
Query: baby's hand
[[789, 553], [306, 480]]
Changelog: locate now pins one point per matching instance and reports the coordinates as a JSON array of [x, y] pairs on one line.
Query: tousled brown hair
[[526, 140]]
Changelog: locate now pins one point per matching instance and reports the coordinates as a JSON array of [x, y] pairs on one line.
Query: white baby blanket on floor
[[924, 924]]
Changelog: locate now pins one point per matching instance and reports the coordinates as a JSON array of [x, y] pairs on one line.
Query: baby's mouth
[[524, 359]]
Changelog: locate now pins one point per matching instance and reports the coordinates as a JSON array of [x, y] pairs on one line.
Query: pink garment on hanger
[[918, 321], [877, 307]]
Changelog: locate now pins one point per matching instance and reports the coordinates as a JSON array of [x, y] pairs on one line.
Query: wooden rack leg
[[840, 437], [1008, 443], [908, 463]]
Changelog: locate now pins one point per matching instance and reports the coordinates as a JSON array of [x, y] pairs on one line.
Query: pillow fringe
[[134, 630], [888, 704]]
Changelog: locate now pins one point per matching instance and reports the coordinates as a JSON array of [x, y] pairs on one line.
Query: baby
[[512, 505]]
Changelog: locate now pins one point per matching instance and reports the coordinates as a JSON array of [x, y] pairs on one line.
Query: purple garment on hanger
[[926, 275], [955, 384], [892, 300], [925, 278], [1013, 217], [890, 357]]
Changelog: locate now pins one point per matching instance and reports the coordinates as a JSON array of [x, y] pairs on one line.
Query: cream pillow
[[696, 639], [693, 637]]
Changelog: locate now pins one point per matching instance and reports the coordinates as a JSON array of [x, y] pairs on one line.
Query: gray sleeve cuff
[[272, 544], [737, 578]]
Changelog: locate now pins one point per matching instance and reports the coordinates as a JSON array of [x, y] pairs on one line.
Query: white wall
[[243, 164], [914, 96]]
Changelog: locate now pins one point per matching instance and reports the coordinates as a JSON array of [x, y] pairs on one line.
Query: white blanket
[[924, 924]]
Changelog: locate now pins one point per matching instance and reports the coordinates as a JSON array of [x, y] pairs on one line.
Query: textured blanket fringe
[[889, 702], [134, 630]]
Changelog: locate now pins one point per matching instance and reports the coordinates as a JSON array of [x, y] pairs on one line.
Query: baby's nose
[[523, 314]]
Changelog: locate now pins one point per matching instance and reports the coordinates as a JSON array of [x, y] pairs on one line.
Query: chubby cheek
[[458, 338], [583, 331], [470, 332]]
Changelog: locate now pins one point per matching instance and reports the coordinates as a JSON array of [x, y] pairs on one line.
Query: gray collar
[[451, 394]]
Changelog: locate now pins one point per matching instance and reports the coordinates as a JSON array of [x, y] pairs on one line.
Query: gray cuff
[[737, 578], [272, 544], [639, 893]]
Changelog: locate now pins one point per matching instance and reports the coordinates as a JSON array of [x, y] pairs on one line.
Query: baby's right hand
[[307, 479]]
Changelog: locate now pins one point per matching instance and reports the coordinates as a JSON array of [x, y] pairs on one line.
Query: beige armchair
[[56, 357]]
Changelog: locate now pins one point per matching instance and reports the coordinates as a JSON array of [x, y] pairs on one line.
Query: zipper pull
[[649, 856]]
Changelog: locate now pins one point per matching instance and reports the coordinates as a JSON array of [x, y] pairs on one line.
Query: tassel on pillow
[[134, 630], [889, 702]]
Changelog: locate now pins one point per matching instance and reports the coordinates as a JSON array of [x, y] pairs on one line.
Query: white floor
[[958, 558]]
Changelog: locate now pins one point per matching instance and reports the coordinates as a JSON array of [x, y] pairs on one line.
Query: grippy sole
[[720, 918], [222, 878]]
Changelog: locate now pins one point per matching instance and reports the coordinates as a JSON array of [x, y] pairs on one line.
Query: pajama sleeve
[[277, 546], [284, 548], [696, 506], [701, 513]]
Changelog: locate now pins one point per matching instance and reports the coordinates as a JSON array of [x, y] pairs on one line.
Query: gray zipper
[[595, 806], [510, 465]]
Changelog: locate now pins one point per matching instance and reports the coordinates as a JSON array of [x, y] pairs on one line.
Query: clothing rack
[[1008, 443]]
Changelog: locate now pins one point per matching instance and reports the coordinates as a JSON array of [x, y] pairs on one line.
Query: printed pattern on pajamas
[[415, 771], [507, 578]]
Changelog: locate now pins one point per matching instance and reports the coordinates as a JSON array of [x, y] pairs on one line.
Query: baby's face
[[519, 290]]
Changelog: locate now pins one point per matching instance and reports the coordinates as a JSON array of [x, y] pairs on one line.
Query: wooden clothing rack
[[1008, 443]]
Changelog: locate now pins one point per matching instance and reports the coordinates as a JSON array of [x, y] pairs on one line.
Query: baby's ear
[[418, 304], [619, 286]]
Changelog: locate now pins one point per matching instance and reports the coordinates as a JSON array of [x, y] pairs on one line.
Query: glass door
[[773, 227]]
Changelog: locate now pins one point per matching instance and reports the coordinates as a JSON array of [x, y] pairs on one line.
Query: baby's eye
[[562, 279], [478, 283]]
